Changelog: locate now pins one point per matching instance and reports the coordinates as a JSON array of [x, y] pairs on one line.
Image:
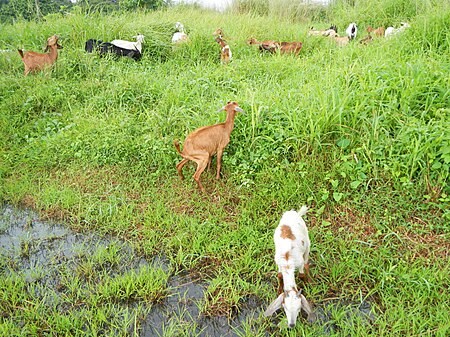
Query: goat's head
[[218, 32], [179, 26], [292, 302], [139, 38], [231, 106], [333, 27], [52, 41], [252, 41], [352, 30]]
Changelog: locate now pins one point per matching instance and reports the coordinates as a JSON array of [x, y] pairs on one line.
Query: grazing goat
[[179, 36], [393, 31], [35, 62], [201, 144], [130, 45], [292, 247], [366, 40], [273, 46], [379, 32], [108, 48], [351, 31], [327, 32], [225, 51]]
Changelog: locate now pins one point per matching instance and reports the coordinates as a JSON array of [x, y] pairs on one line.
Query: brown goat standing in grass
[[201, 144], [35, 62]]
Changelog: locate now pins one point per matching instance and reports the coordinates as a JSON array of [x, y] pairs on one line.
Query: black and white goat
[[104, 48], [292, 248], [130, 45]]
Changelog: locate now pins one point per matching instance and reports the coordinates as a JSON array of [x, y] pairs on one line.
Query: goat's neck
[[289, 279], [229, 122], [221, 42], [53, 53]]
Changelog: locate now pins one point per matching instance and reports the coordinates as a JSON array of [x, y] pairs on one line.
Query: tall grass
[[358, 133]]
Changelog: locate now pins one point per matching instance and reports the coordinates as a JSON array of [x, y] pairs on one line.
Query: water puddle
[[43, 253]]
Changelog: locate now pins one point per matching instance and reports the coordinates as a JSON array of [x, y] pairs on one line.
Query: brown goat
[[201, 144], [378, 32], [273, 46], [218, 32], [35, 62]]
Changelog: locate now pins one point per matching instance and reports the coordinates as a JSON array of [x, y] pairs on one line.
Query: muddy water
[[41, 250]]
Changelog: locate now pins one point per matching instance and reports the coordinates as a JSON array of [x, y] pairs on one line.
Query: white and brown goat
[[292, 246]]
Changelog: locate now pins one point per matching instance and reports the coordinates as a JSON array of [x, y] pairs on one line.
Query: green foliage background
[[360, 134]]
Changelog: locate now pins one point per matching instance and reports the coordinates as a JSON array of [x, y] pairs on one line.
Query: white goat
[[392, 31], [292, 247], [130, 45], [179, 35]]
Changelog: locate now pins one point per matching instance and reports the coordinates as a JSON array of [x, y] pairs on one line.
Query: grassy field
[[360, 134]]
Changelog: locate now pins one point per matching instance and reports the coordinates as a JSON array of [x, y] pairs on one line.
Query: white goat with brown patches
[[201, 144], [292, 248], [35, 62]]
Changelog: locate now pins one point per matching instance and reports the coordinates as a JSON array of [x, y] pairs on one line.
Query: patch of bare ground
[[186, 199], [417, 237]]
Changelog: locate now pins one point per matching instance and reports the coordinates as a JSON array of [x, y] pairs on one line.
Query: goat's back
[[291, 239], [207, 138]]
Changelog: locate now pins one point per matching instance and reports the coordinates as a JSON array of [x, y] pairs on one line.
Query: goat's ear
[[275, 305], [221, 109], [307, 308], [238, 109]]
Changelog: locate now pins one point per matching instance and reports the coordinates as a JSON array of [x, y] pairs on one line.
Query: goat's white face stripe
[[292, 304]]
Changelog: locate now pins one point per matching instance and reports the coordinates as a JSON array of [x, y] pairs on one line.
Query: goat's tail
[[177, 146], [303, 210], [20, 52]]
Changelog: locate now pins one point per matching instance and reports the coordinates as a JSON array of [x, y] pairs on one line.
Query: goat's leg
[[180, 167], [219, 162], [202, 162], [280, 283], [304, 276], [209, 163]]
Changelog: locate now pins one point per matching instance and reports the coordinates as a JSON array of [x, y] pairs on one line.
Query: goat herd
[[292, 244], [35, 62]]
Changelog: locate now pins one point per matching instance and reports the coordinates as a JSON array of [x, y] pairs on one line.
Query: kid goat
[[292, 247], [225, 50], [179, 36], [35, 62], [201, 144]]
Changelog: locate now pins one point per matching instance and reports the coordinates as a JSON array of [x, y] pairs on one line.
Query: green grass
[[360, 134]]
